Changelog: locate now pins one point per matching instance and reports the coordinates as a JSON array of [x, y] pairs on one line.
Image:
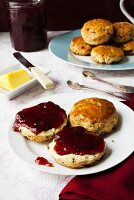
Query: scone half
[[77, 148], [40, 122]]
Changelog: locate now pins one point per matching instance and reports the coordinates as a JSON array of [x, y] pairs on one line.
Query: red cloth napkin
[[116, 183]]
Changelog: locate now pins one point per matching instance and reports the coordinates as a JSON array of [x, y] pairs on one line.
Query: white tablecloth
[[19, 181]]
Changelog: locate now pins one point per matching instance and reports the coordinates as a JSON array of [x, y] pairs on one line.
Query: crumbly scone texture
[[94, 114], [79, 47], [128, 48], [106, 54], [97, 31], [75, 161], [44, 135], [123, 32]]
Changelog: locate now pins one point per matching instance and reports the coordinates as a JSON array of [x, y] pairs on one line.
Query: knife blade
[[46, 82]]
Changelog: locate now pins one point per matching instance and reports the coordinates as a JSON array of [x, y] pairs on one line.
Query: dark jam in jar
[[27, 24], [41, 117], [77, 140]]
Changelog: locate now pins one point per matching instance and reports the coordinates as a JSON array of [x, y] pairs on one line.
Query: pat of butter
[[12, 80]]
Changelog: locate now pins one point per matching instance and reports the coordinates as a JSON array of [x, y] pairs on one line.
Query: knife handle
[[42, 78]]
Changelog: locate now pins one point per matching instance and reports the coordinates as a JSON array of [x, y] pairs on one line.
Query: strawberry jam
[[79, 141], [41, 117], [43, 161]]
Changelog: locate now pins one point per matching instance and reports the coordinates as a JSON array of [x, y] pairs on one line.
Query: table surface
[[19, 181]]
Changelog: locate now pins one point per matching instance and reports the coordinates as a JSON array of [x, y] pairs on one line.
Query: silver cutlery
[[77, 86], [122, 88], [46, 82]]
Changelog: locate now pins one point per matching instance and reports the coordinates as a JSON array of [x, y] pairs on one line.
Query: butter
[[12, 80]]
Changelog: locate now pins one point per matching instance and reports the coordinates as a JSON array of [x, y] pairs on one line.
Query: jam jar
[[27, 22]]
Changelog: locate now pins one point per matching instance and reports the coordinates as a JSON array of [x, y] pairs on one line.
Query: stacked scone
[[104, 41], [80, 143]]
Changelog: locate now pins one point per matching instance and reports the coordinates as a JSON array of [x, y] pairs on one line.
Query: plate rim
[[103, 67], [69, 171]]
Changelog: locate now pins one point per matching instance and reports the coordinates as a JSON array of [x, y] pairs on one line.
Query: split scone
[[95, 114], [97, 31], [79, 47], [76, 147], [41, 122]]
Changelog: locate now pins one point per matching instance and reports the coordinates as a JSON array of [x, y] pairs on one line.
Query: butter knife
[[46, 82]]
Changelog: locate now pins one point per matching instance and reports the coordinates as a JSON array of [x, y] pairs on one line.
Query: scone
[[128, 48], [79, 47], [41, 122], [95, 114], [123, 32], [106, 54], [76, 147], [97, 31]]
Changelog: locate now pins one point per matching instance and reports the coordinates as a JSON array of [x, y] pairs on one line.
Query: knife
[[40, 76]]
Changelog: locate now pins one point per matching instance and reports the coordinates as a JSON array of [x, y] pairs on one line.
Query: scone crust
[[94, 114], [79, 47], [123, 32], [128, 48], [106, 54], [75, 161], [97, 31]]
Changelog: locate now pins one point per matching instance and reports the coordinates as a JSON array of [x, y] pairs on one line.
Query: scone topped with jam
[[40, 122], [76, 147], [95, 114]]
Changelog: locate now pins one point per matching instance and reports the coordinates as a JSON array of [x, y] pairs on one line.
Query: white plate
[[59, 47], [120, 143], [19, 90]]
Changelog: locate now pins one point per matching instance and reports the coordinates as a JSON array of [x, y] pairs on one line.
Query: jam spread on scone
[[41, 117], [79, 141]]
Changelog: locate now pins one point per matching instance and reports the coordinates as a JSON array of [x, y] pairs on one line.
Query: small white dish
[[19, 90]]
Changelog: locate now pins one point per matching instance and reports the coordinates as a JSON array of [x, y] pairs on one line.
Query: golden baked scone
[[76, 147], [79, 47], [97, 31], [106, 54], [128, 48], [123, 32], [95, 114], [41, 122]]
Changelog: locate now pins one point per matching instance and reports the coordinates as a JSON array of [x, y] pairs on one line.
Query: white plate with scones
[[60, 47], [114, 151]]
